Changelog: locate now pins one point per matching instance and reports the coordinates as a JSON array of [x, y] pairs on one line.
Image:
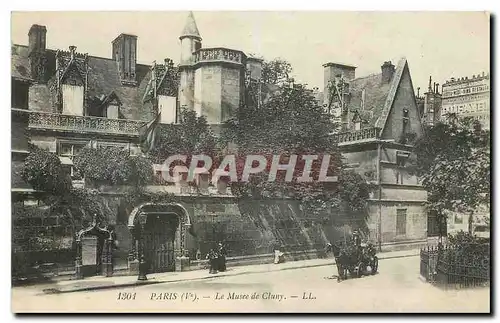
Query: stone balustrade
[[217, 55], [357, 135], [87, 124]]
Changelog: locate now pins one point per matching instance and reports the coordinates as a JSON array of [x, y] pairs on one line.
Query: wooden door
[[159, 243]]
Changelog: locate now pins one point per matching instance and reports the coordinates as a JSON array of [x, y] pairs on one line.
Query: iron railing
[[73, 123], [218, 54], [456, 266], [357, 135]]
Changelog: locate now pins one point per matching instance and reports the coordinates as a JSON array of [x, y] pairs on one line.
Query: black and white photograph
[[250, 161]]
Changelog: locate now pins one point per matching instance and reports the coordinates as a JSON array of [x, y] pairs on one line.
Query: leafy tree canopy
[[191, 136], [290, 122], [453, 161], [113, 165]]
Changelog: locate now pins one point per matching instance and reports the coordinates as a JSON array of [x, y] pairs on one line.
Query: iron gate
[[159, 242]]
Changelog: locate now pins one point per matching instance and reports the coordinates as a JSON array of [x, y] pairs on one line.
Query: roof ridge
[[367, 76], [394, 85]]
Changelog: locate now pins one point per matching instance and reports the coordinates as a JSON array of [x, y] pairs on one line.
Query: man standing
[[221, 251], [212, 260]]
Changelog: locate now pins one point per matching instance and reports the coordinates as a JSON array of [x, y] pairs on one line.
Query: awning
[[65, 160]]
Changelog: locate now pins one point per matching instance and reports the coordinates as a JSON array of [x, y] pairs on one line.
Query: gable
[[404, 98], [72, 76]]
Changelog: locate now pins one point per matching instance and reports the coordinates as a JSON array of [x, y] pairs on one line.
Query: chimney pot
[[387, 72]]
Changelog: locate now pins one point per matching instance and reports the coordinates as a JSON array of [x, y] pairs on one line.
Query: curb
[[153, 281]]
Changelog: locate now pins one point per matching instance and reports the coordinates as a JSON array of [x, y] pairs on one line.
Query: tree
[[453, 160], [276, 71], [289, 122], [44, 172], [190, 137], [113, 166]]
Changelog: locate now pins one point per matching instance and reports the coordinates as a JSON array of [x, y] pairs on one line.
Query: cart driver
[[356, 239]]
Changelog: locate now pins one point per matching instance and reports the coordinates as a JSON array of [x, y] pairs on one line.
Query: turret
[[190, 42]]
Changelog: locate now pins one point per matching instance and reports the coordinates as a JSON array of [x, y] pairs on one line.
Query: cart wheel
[[360, 270], [374, 265]]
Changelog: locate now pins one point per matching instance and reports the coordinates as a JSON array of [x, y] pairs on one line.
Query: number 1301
[[126, 296]]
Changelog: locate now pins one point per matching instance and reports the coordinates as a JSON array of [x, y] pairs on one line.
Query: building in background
[[429, 105], [467, 97]]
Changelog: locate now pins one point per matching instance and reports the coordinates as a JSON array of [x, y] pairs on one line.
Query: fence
[[460, 266]]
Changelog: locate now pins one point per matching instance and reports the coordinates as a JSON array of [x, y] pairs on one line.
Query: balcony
[[83, 124], [218, 55], [358, 135]]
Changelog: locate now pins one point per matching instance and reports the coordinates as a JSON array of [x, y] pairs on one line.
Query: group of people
[[217, 259]]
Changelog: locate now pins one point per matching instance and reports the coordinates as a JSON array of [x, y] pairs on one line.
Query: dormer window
[[72, 96], [168, 108], [110, 106], [73, 91], [112, 112]]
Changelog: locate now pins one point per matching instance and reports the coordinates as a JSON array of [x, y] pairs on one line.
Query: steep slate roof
[[20, 67], [103, 78], [378, 96]]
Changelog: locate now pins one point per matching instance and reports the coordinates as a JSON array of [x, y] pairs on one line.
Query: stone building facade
[[64, 100]]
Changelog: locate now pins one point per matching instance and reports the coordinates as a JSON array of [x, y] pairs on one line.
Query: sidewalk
[[95, 283]]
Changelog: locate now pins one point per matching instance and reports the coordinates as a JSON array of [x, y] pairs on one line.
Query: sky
[[437, 44]]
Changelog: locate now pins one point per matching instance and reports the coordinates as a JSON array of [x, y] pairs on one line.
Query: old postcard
[[250, 162]]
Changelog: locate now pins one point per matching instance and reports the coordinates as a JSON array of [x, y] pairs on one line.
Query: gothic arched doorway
[[158, 237]]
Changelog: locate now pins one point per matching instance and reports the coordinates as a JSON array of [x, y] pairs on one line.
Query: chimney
[[387, 71], [254, 66], [37, 39], [332, 71], [72, 50], [125, 55], [418, 92], [37, 42]]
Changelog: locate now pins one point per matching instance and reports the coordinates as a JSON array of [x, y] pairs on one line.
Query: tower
[[190, 42]]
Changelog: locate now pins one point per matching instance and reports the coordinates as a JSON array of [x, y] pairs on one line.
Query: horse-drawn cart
[[354, 259]]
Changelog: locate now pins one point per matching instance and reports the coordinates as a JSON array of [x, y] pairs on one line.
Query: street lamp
[[142, 262]]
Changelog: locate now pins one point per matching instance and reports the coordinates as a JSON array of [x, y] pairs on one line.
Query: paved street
[[397, 288]]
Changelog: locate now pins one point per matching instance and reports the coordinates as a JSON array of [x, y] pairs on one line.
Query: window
[[67, 154], [458, 219], [401, 222], [73, 99], [20, 94], [197, 45], [406, 120]]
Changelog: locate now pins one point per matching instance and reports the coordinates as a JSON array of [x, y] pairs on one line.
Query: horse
[[341, 260]]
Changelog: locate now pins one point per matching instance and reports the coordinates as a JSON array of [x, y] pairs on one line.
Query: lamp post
[[142, 261]]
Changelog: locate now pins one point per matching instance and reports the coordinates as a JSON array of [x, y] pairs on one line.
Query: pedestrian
[[212, 261], [221, 252], [278, 255]]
